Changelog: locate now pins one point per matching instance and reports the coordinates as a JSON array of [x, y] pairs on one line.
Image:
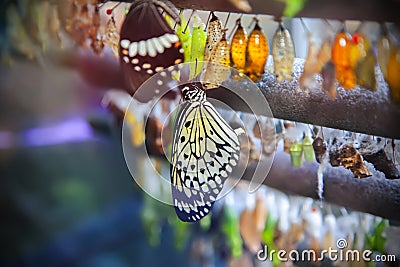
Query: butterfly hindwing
[[205, 150], [147, 43]]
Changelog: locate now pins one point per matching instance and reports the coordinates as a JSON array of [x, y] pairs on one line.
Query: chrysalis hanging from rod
[[185, 35], [308, 149], [198, 45], [393, 77], [317, 58], [238, 48], [111, 38], [385, 46], [256, 53], [283, 54], [341, 59], [218, 69], [214, 35], [363, 60]]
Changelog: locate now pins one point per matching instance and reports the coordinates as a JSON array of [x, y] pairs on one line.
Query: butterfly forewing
[[205, 150], [147, 44]]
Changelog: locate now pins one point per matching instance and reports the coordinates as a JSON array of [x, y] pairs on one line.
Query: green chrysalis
[[198, 43]]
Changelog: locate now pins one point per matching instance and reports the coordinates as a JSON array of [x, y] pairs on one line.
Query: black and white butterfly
[[147, 43], [205, 151]]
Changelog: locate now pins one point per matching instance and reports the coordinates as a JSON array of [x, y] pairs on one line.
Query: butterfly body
[[205, 151], [147, 43]]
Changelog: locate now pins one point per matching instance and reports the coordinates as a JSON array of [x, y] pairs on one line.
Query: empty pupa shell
[[218, 69], [283, 54], [214, 34]]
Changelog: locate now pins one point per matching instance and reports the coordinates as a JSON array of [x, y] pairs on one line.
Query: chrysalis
[[308, 149], [78, 25], [238, 48], [54, 25], [315, 61], [385, 45], [319, 146], [324, 55], [283, 54], [198, 45], [147, 43], [362, 61], [252, 224], [214, 35], [216, 73], [359, 46], [111, 38], [365, 71], [296, 154], [341, 58], [329, 80], [326, 67], [351, 159], [256, 53], [393, 76], [184, 34], [17, 33], [96, 33], [310, 66]]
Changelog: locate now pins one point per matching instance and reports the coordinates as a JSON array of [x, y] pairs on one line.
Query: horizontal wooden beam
[[374, 195], [374, 10]]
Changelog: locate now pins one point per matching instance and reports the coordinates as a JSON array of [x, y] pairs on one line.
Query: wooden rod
[[374, 195]]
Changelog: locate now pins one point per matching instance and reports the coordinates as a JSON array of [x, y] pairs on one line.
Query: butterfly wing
[[147, 44], [205, 150]]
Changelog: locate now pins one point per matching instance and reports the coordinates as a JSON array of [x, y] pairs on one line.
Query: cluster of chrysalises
[[249, 54], [350, 60]]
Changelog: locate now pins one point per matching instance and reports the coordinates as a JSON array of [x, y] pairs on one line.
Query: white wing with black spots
[[205, 151]]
